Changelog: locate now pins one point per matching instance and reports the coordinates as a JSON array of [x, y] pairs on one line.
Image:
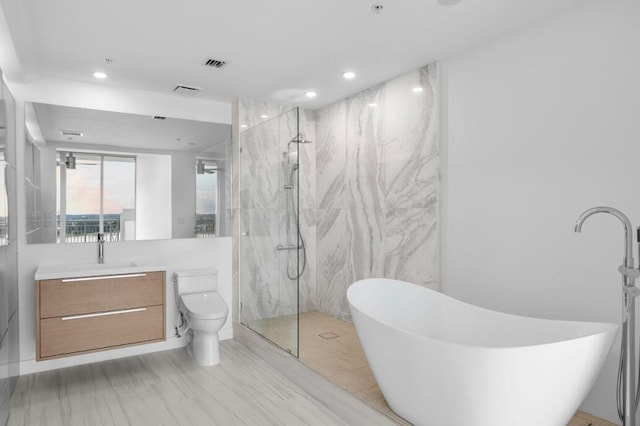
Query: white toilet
[[204, 310]]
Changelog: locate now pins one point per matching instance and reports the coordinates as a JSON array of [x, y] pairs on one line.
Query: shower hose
[[627, 303]]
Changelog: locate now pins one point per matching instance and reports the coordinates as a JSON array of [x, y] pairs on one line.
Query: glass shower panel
[[269, 217]]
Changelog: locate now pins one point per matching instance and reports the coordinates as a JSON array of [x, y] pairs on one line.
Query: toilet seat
[[205, 306]]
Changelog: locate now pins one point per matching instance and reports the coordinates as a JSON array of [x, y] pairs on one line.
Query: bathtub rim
[[605, 327]]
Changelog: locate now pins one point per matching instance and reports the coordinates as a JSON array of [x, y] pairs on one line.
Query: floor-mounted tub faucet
[[100, 247], [627, 405]]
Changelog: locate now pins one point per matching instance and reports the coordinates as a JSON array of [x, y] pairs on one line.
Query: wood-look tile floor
[[167, 388], [332, 348]]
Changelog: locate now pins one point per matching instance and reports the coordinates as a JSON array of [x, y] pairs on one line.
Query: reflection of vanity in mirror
[[131, 177]]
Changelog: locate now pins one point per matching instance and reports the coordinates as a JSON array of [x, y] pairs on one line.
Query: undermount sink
[[47, 272], [101, 266]]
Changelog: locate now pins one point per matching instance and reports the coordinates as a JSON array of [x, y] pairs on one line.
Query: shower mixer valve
[[632, 273]]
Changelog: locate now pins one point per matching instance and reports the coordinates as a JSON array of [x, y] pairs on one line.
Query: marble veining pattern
[[367, 196], [266, 217], [377, 177]]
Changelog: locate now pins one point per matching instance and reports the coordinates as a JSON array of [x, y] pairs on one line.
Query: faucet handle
[[632, 273]]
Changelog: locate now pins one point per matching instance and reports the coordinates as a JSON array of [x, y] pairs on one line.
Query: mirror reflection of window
[[96, 195], [119, 197], [206, 198]]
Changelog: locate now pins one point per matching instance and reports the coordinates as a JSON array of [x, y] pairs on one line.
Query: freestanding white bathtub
[[443, 362]]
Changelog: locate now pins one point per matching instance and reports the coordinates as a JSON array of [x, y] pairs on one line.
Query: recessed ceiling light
[[418, 89], [349, 75], [99, 74], [373, 104], [243, 126], [311, 94], [264, 116]]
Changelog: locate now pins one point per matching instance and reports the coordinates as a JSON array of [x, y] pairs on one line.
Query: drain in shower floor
[[330, 335]]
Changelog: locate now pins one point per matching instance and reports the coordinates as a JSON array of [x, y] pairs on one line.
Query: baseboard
[[31, 366]]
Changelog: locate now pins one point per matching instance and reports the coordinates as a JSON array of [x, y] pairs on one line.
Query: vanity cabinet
[[86, 314]]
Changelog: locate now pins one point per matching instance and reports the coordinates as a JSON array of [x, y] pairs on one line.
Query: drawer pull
[[102, 314], [102, 277]]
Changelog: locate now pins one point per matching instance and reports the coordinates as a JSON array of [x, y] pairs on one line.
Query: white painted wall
[[153, 196], [48, 194], [175, 255], [183, 199], [541, 125]]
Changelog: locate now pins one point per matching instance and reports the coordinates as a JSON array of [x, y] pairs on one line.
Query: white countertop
[[52, 272]]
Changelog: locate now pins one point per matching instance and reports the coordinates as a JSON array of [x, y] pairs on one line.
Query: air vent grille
[[214, 63], [76, 133], [186, 90]]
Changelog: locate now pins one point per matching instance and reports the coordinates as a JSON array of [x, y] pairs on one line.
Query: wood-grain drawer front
[[59, 298], [59, 336]]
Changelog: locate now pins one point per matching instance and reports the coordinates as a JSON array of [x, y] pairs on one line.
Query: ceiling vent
[[181, 89], [214, 63], [76, 133], [159, 117]]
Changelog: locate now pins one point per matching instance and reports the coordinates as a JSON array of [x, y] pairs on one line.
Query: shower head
[[299, 138]]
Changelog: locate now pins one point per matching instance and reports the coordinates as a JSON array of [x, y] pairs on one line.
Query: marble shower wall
[[266, 217], [376, 189], [368, 196]]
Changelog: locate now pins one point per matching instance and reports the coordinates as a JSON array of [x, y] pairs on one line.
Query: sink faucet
[[100, 247]]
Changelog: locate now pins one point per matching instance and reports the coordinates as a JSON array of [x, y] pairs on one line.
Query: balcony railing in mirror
[[85, 229]]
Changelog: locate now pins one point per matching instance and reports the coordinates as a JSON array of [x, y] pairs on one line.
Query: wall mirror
[[131, 177]]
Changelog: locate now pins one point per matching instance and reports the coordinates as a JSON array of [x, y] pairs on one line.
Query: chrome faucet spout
[[100, 247], [628, 229]]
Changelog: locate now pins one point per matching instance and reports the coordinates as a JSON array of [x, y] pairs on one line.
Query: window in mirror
[[96, 194], [155, 196], [206, 198]]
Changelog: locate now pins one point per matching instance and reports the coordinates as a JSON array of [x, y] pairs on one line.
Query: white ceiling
[[131, 131], [277, 50]]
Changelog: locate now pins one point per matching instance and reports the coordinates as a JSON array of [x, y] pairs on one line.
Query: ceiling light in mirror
[[349, 75], [100, 75], [418, 89], [311, 94]]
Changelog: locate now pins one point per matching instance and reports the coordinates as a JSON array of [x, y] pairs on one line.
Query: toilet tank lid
[[195, 272]]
